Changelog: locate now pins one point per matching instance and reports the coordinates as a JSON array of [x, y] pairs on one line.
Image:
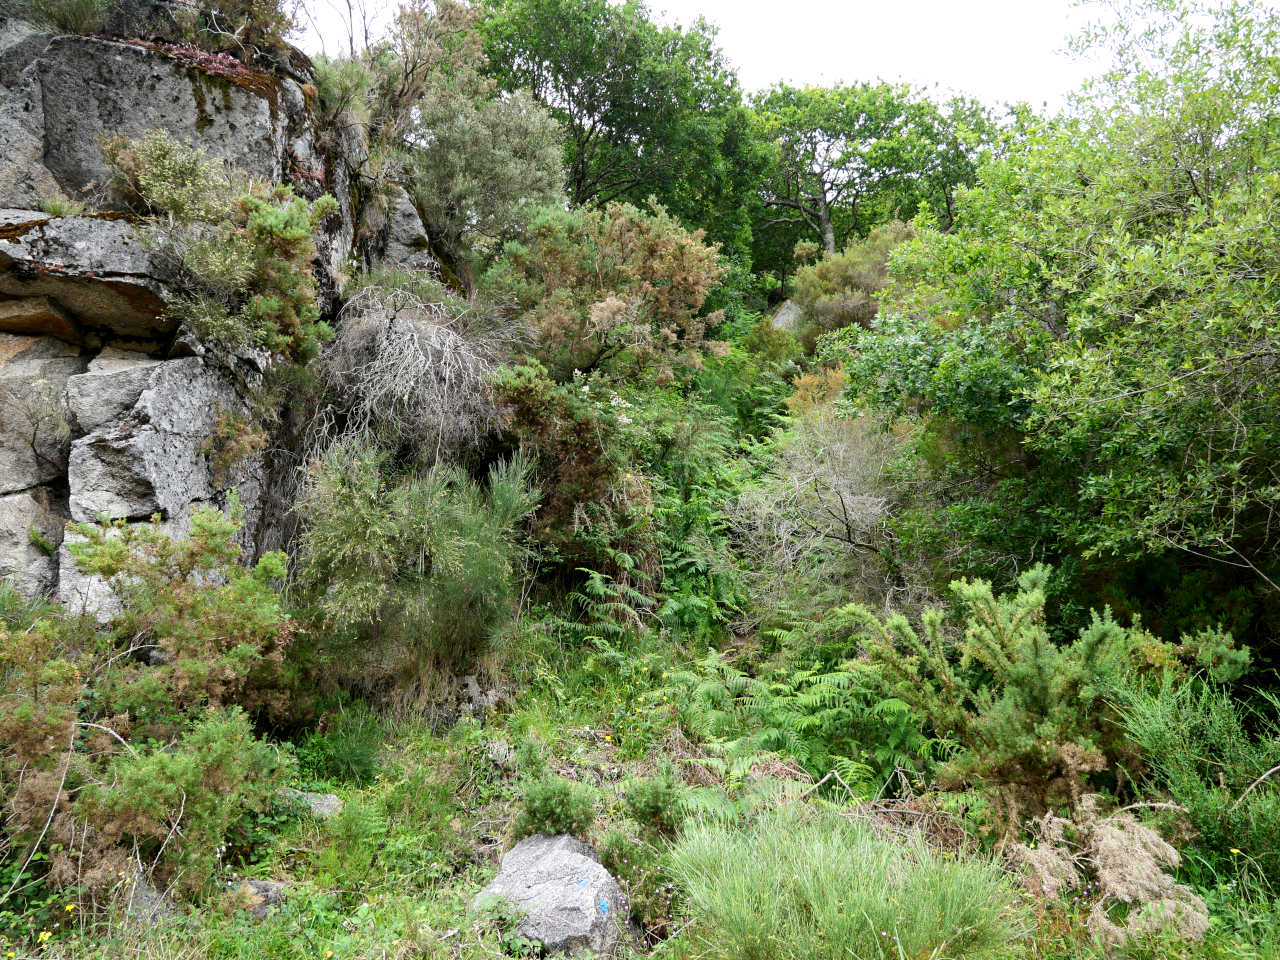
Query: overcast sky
[[996, 50]]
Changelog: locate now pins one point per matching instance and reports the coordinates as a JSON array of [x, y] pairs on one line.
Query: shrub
[[841, 288], [112, 765], [200, 789], [1031, 718], [1210, 753], [614, 288], [412, 373], [810, 886], [554, 805], [242, 256], [656, 803], [407, 570], [638, 866]]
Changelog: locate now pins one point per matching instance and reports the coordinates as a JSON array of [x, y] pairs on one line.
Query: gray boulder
[[570, 903], [406, 244], [152, 460], [33, 423], [322, 806], [20, 43], [24, 557], [787, 316]]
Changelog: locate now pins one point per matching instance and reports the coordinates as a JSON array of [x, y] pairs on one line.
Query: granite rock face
[[110, 405]]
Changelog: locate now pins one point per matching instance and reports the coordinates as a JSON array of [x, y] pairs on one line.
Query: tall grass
[[812, 886]]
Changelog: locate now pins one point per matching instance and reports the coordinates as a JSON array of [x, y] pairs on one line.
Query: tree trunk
[[824, 221]]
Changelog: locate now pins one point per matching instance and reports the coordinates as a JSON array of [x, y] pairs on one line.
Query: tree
[[849, 157], [649, 111], [472, 159], [1094, 346]]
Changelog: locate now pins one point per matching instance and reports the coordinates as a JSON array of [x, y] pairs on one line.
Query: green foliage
[[408, 570], [345, 748], [1090, 347], [1031, 719], [827, 719], [65, 16], [555, 805], [243, 255], [656, 803], [841, 289], [641, 871], [108, 757], [849, 157], [1215, 757], [649, 110], [766, 891]]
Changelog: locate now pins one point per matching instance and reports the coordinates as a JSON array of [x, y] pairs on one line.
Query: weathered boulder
[[407, 246], [322, 806], [787, 316], [33, 426], [95, 272], [20, 43], [570, 902], [109, 388], [152, 460]]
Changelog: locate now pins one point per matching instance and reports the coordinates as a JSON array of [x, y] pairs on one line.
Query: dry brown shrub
[[1128, 860]]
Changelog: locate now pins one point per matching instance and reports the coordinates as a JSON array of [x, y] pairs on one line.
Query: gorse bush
[[555, 805], [614, 288], [242, 254], [842, 288], [114, 765], [800, 885], [409, 570], [1030, 718]]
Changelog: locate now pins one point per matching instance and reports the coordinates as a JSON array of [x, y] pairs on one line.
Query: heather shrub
[[639, 866], [808, 885], [554, 805]]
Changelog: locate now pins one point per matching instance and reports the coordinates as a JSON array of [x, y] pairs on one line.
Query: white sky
[[995, 50]]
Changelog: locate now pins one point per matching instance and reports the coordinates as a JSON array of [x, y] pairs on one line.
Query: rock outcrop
[[568, 901], [108, 405]]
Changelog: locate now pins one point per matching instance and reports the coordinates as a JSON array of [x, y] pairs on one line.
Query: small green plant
[[60, 206], [346, 750], [243, 254], [554, 805], [656, 803], [805, 885], [40, 541]]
